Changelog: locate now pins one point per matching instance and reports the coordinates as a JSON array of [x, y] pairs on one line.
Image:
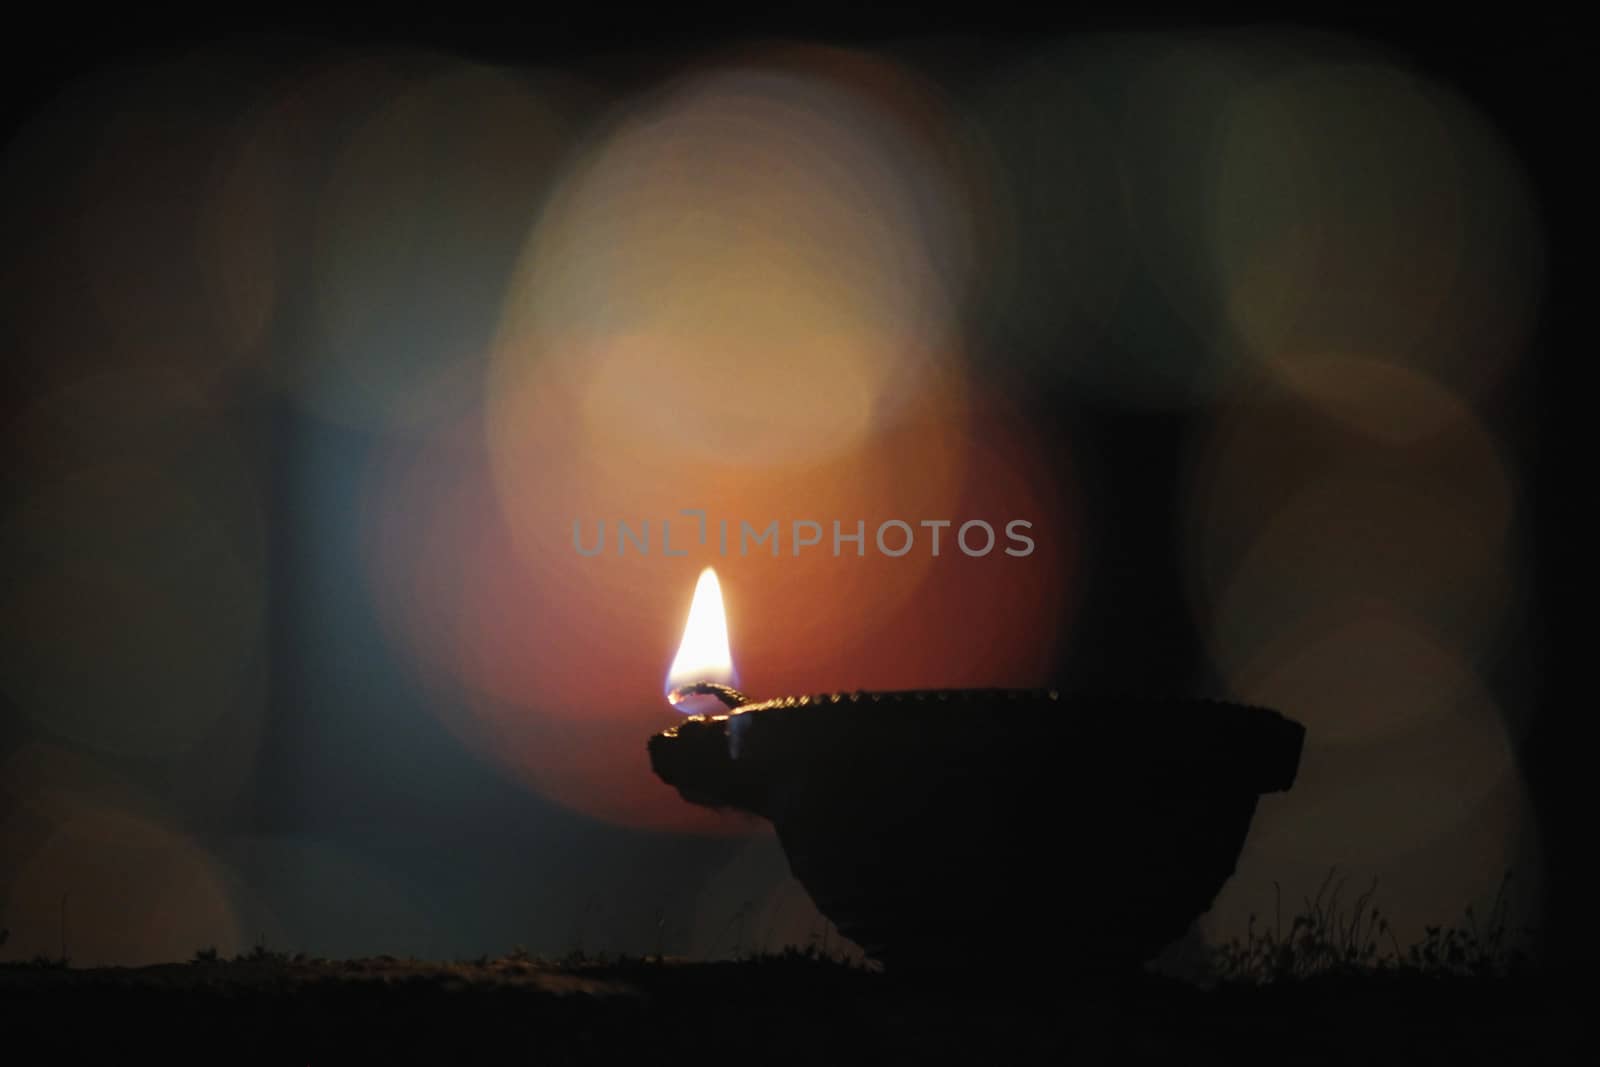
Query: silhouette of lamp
[[924, 824]]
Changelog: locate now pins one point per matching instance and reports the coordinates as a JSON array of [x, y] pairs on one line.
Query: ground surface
[[793, 1010]]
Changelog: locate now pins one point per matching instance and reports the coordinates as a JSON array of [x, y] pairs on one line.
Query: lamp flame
[[703, 654]]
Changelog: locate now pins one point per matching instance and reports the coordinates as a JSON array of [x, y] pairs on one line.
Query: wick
[[725, 693]]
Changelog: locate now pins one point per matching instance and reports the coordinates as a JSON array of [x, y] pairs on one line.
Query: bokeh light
[[743, 298], [1301, 520], [1362, 209], [418, 222], [754, 904], [134, 584], [1169, 207], [754, 264], [1369, 801], [1355, 556], [561, 655], [93, 872]]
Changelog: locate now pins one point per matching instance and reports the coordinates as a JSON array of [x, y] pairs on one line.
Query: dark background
[[475, 861]]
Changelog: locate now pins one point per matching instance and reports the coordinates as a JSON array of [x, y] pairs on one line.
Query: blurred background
[[320, 339]]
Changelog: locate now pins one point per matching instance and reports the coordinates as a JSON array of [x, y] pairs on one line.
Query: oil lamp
[[917, 820]]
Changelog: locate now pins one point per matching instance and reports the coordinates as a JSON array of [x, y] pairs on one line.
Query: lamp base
[[940, 828]]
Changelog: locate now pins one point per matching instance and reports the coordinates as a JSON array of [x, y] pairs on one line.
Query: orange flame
[[703, 654]]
